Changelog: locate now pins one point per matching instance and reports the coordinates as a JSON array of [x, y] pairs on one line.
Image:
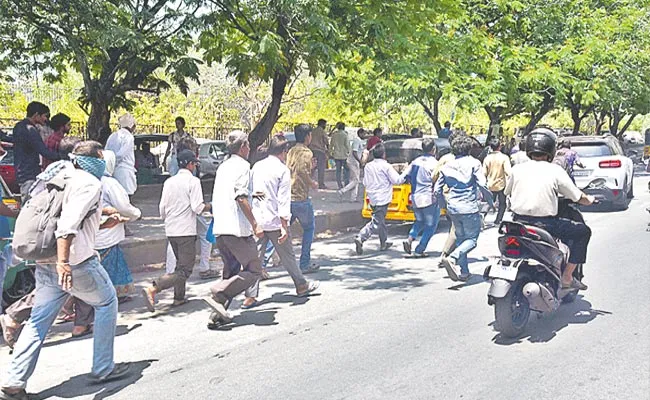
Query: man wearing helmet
[[534, 188]]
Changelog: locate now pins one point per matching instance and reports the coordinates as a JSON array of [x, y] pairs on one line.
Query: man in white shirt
[[354, 166], [534, 188], [379, 178], [234, 229], [520, 156], [181, 202], [420, 174], [75, 272], [122, 144], [272, 210]]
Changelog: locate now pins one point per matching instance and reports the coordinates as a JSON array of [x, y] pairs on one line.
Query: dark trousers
[[342, 173], [576, 235], [242, 267], [184, 248], [321, 164], [22, 309], [500, 196], [377, 225]]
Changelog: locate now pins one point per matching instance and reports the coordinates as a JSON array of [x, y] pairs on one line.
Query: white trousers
[[353, 186]]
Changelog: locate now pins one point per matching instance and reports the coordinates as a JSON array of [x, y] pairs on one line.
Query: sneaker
[[385, 246], [209, 274], [464, 276], [407, 246], [311, 269], [453, 270], [220, 313], [359, 246], [118, 372]]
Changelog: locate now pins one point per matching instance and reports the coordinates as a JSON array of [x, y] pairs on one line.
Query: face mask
[[92, 165]]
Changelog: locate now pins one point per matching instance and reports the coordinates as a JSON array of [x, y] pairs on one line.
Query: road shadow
[[474, 279], [251, 317], [543, 329], [120, 330], [80, 386]]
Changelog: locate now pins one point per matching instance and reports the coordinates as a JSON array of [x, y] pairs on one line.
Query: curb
[[140, 254]]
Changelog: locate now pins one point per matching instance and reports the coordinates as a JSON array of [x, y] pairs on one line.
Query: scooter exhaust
[[540, 298]]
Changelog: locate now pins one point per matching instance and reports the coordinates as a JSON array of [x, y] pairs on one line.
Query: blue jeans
[[468, 227], [90, 283], [303, 211], [426, 221], [268, 253]]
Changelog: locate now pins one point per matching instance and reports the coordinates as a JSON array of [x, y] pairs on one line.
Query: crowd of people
[[88, 276]]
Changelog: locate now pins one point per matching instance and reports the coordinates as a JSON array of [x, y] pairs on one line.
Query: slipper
[[311, 287], [248, 307], [8, 333], [178, 303], [149, 300], [87, 332], [21, 395], [67, 318]]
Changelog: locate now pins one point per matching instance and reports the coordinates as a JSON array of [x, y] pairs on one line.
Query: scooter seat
[[543, 235]]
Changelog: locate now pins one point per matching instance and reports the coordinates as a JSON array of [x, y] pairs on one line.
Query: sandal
[[67, 317], [249, 306], [20, 395], [311, 287], [86, 332]]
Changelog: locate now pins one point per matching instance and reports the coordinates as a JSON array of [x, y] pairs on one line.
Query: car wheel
[[630, 193]]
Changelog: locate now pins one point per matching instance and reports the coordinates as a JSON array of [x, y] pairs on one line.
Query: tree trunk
[[264, 127], [600, 121], [433, 111], [626, 126], [495, 121], [614, 121], [98, 127]]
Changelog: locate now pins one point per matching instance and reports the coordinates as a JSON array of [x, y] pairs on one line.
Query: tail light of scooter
[[512, 246], [610, 164]]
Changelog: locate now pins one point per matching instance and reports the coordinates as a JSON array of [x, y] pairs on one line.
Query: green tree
[[117, 46]]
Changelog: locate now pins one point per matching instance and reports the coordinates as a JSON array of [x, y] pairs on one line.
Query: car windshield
[[587, 150], [402, 151]]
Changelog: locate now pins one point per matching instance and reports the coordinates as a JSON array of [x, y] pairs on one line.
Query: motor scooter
[[527, 275]]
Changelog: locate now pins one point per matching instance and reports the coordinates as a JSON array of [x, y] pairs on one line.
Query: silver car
[[211, 154]]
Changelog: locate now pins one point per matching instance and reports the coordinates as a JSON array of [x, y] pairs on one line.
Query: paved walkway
[[147, 245]]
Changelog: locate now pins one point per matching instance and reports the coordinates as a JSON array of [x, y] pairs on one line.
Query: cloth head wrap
[[92, 165], [126, 121]]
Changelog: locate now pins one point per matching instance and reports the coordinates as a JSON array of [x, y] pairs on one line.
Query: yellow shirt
[[496, 168]]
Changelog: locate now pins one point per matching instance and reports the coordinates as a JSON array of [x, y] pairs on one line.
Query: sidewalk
[[148, 244]]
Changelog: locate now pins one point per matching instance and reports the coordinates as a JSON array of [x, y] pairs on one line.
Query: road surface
[[387, 327]]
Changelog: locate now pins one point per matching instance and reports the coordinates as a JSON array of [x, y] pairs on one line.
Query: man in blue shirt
[[420, 174], [465, 179], [28, 145], [446, 131]]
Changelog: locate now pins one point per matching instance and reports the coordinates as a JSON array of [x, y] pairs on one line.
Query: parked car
[[608, 173], [211, 155], [7, 169]]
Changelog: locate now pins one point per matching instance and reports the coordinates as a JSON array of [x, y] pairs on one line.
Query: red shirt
[[52, 143], [372, 142]]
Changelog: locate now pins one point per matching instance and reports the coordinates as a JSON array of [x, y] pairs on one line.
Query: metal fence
[[79, 129]]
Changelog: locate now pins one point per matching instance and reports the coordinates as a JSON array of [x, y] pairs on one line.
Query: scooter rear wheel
[[512, 311]]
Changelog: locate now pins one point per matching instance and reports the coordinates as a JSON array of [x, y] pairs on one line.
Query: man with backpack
[[74, 269]]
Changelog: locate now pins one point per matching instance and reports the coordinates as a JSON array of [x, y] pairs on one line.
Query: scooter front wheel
[[512, 311]]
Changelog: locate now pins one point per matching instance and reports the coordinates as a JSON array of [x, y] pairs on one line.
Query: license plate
[[507, 272], [582, 172]]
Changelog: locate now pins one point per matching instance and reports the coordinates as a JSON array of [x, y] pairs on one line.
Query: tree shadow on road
[[80, 386], [544, 329], [119, 331]]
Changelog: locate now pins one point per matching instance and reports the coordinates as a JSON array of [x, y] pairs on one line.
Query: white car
[[608, 173]]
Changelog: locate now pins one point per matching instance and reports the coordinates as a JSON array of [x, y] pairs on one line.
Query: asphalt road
[[386, 327]]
